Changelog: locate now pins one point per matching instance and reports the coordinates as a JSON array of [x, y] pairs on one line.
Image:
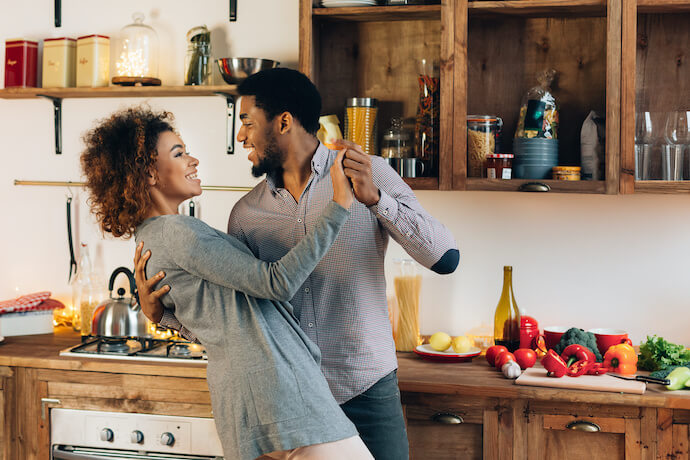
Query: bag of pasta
[[539, 111]]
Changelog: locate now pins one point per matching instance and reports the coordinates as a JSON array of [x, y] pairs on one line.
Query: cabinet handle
[[583, 425], [446, 418], [534, 187], [45, 402]]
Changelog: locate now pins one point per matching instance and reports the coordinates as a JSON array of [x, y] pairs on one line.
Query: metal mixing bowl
[[235, 70]]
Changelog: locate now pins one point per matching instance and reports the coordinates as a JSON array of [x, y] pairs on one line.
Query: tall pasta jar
[[360, 123], [483, 133]]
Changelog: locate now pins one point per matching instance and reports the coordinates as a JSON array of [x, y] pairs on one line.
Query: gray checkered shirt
[[342, 306]]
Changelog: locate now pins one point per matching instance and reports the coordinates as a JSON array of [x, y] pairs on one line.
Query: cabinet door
[[578, 431], [5, 412], [448, 427], [673, 434]]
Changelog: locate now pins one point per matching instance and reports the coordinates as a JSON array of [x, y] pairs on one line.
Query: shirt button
[[299, 220], [385, 212], [311, 324], [306, 290], [409, 234]]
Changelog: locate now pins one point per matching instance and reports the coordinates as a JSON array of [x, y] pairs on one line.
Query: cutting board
[[536, 376]]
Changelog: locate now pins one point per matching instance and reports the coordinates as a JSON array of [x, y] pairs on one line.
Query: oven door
[[61, 452]]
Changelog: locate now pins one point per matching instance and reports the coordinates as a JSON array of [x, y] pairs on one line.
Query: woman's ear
[[151, 178]]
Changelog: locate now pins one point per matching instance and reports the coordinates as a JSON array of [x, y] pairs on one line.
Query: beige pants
[[346, 449]]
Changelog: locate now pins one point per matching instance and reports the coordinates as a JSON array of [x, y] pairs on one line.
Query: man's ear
[[285, 122]]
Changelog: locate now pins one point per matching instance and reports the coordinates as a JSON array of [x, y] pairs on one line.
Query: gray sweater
[[267, 389]]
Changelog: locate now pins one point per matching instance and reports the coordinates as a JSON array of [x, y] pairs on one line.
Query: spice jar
[[499, 166], [482, 140], [566, 172], [360, 123], [197, 69]]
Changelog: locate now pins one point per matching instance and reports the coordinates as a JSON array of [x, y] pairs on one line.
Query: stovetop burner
[[138, 348]]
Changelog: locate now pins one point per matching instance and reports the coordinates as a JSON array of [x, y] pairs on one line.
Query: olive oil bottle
[[507, 317]]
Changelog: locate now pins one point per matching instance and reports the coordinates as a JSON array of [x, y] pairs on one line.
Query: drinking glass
[[644, 142], [677, 135]]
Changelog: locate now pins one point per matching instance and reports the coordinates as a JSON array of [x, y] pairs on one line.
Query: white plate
[[426, 348]]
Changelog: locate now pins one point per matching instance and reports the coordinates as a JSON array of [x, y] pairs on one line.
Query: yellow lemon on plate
[[461, 344], [440, 341]]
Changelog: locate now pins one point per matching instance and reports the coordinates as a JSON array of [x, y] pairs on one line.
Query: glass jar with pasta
[[483, 133], [408, 286]]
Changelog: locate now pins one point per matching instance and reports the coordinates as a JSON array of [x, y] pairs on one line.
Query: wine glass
[[644, 141], [677, 135]]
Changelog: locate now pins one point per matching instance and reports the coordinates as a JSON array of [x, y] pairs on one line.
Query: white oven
[[95, 435]]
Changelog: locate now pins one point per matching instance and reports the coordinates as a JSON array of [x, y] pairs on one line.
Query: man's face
[[257, 135]]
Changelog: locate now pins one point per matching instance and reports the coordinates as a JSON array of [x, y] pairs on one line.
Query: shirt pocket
[[276, 395]]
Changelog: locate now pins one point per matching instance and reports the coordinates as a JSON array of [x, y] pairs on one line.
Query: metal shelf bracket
[[58, 13], [233, 10], [57, 113], [230, 122]]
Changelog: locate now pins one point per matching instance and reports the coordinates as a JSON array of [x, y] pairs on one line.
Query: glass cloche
[[136, 55]]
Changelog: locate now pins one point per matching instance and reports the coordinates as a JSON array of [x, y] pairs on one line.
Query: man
[[342, 306]]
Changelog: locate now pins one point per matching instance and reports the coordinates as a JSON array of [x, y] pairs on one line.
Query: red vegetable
[[597, 369], [554, 364], [578, 368], [525, 357], [502, 358], [575, 352], [492, 352]]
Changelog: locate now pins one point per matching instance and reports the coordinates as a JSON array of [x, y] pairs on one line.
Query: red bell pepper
[[554, 364], [575, 352], [578, 368], [597, 369]]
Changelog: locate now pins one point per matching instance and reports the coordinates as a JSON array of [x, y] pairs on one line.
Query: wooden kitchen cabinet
[[656, 79], [673, 434], [5, 411]]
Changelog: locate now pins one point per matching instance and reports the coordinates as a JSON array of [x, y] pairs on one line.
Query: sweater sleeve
[[201, 251]]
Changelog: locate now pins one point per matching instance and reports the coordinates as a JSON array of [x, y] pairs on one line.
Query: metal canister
[[360, 123]]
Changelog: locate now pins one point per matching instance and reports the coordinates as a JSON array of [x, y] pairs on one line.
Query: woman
[[268, 394]]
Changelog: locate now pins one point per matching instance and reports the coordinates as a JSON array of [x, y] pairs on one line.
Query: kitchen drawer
[[578, 431], [449, 427]]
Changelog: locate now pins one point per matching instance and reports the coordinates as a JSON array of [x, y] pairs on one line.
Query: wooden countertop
[[415, 374]]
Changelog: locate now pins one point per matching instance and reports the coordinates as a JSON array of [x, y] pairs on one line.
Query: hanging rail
[[214, 188]]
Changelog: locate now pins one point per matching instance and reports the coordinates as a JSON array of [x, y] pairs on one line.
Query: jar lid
[[362, 102], [500, 155], [61, 38], [94, 36], [566, 169], [482, 118]]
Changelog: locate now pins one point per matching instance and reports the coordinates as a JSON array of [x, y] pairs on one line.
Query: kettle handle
[[130, 276]]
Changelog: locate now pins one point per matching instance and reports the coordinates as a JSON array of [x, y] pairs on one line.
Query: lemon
[[440, 341], [461, 344]]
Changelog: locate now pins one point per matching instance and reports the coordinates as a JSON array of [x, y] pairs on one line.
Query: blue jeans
[[377, 414]]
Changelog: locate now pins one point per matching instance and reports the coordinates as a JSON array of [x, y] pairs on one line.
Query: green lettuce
[[656, 353]]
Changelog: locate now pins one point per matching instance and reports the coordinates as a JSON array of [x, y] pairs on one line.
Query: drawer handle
[[45, 402], [582, 425], [534, 187], [446, 418]]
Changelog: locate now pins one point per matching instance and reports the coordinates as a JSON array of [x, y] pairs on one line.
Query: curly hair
[[119, 158]]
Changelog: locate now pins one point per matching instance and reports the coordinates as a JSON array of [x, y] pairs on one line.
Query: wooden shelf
[[538, 8], [117, 91], [422, 183], [665, 6], [662, 186], [379, 13], [558, 186]]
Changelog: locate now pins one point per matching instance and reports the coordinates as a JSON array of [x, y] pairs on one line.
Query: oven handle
[[103, 454], [59, 454]]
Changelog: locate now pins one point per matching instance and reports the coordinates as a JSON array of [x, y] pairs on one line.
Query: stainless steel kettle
[[121, 316]]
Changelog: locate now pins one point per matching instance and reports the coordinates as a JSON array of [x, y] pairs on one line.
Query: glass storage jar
[[137, 54], [197, 68], [360, 123], [483, 132], [499, 166]]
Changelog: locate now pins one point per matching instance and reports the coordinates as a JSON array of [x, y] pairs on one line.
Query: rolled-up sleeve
[[422, 236]]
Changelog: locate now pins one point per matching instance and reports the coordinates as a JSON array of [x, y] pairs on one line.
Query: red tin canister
[[21, 57], [529, 331]]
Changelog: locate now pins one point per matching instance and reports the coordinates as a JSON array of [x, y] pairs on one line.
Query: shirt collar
[[319, 161]]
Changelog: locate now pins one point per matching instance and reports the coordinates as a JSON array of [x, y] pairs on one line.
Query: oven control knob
[[167, 439], [137, 437], [107, 435]]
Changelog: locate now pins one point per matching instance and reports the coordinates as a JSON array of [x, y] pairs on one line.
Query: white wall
[[587, 261]]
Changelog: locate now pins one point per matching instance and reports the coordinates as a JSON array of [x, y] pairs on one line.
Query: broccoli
[[579, 336], [663, 373]]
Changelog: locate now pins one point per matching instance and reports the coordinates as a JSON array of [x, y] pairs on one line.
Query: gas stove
[[139, 349]]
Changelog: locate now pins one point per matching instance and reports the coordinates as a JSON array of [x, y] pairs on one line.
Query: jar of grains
[[483, 132]]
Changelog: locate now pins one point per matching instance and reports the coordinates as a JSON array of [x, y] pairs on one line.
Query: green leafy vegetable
[[656, 353], [663, 373]]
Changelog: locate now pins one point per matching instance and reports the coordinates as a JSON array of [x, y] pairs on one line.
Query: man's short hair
[[285, 90]]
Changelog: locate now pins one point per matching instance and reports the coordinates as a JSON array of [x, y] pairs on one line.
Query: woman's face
[[176, 170]]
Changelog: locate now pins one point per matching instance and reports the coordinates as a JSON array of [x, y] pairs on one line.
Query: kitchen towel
[[30, 302]]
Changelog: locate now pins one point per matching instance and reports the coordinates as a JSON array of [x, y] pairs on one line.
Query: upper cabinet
[[656, 96]]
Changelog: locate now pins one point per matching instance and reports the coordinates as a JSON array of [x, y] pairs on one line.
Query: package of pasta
[[539, 111]]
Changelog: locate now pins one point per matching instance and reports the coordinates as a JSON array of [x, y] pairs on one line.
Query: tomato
[[492, 352], [525, 357], [503, 357]]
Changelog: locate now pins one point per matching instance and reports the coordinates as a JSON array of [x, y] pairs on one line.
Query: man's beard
[[271, 163]]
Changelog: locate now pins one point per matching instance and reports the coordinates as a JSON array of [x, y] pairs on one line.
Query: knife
[[643, 378]]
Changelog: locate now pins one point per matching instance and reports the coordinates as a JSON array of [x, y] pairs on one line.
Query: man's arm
[[385, 193]]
